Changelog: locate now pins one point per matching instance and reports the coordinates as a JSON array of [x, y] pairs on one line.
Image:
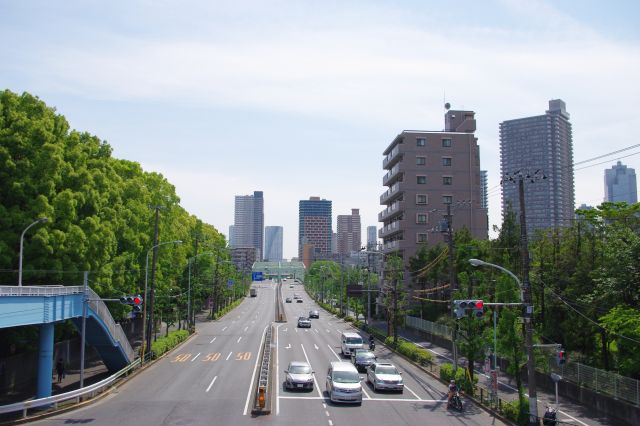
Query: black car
[[288, 300], [314, 314], [362, 359], [299, 300]]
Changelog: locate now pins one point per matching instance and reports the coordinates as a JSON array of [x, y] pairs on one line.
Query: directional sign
[[257, 276]]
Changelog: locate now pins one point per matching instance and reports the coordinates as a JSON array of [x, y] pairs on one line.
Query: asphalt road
[[207, 381]]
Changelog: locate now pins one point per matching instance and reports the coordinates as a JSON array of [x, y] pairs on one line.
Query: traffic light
[[135, 301], [478, 308], [459, 307], [561, 357]]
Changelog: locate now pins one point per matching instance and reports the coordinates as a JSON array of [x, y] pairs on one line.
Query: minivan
[[343, 383], [350, 341]]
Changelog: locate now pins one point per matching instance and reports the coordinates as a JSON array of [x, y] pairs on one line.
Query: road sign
[[229, 283], [354, 290], [257, 276]]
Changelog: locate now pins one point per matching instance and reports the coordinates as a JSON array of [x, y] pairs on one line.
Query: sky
[[300, 98]]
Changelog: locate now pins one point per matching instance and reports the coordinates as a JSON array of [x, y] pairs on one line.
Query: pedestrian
[[60, 369]]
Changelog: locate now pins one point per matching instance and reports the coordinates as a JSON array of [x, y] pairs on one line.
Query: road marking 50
[[211, 357], [243, 356], [181, 358]]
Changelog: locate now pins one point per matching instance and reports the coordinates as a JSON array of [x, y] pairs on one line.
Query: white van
[[343, 383], [350, 341]]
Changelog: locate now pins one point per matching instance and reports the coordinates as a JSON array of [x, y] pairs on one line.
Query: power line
[[606, 155]]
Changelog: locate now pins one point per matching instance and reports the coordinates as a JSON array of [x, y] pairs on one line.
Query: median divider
[[281, 316], [263, 385]]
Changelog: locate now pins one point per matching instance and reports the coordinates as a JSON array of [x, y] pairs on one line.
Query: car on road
[[296, 296], [290, 285], [385, 376], [343, 383], [298, 375], [314, 314], [304, 322], [288, 300], [349, 342], [363, 359], [299, 300]]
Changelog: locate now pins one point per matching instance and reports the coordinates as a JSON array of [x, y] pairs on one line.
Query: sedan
[[304, 322], [363, 359], [298, 376], [288, 300], [299, 300], [314, 314], [384, 375]]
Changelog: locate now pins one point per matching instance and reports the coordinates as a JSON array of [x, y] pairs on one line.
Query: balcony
[[392, 158], [390, 194], [391, 229], [390, 211], [392, 176]]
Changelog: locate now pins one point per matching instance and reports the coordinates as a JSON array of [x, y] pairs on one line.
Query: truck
[[253, 292]]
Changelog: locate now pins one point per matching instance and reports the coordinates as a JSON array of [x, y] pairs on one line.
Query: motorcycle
[[455, 401], [372, 345], [549, 417]]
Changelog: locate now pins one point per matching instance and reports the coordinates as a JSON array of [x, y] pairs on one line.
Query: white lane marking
[[328, 331], [314, 376], [228, 356], [253, 376], [316, 346], [213, 340], [296, 330], [324, 405], [414, 394], [327, 413], [334, 352], [224, 328], [365, 392], [324, 398], [278, 367], [239, 338], [316, 330], [285, 329], [306, 330], [330, 422], [211, 384], [288, 346], [246, 328], [194, 358]]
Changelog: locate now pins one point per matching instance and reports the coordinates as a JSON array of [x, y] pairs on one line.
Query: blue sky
[[300, 98]]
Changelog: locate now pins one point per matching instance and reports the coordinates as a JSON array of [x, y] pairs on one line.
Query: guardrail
[[54, 400], [46, 290], [262, 399]]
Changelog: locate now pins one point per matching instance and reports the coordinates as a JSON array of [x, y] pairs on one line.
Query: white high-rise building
[[273, 243]]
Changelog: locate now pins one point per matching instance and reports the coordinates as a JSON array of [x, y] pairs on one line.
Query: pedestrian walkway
[[569, 412]]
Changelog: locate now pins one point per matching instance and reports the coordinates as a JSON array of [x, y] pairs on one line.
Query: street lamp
[[533, 403], [40, 220], [146, 335]]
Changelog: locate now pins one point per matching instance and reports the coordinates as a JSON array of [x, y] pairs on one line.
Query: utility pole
[[528, 315], [214, 290], [452, 283], [153, 277]]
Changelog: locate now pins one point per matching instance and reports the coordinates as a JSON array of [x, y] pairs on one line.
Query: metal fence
[[428, 327], [46, 290], [601, 381]]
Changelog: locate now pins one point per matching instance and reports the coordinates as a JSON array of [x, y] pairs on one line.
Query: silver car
[[299, 375], [304, 322], [384, 375]]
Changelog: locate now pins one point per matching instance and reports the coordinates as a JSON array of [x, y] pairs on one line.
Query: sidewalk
[[568, 411]]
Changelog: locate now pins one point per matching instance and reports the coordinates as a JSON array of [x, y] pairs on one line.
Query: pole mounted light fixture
[[39, 220]]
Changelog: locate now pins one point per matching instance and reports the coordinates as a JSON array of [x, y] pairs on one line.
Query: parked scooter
[[549, 417]]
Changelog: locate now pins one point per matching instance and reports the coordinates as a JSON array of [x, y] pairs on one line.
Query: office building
[[273, 243], [314, 227], [620, 184], [232, 231], [426, 172], [349, 232], [484, 190], [541, 144], [249, 222], [372, 238]]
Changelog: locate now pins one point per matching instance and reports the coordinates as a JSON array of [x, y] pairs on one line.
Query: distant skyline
[[298, 98]]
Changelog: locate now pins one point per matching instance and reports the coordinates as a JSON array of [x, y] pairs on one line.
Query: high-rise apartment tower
[[314, 227], [349, 232], [249, 222], [541, 144]]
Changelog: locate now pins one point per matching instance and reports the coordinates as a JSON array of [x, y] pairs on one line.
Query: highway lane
[[421, 403], [205, 381]]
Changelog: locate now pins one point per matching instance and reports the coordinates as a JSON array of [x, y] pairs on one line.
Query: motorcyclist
[[372, 342], [453, 389]]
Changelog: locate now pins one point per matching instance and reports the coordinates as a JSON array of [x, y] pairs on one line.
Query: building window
[[446, 143], [421, 238], [446, 161], [447, 199], [421, 199], [421, 142], [421, 180], [421, 161], [447, 180], [421, 218]]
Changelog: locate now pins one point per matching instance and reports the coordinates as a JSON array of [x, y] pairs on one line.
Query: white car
[[384, 375]]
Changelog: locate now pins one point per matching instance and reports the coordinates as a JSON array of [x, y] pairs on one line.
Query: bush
[[461, 377], [517, 411], [410, 350], [164, 344]]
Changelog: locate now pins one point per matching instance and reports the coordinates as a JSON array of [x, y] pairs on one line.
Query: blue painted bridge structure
[[46, 305]]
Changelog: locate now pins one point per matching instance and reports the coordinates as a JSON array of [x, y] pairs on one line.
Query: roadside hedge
[[222, 312], [410, 350], [517, 411], [164, 344], [461, 377]]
